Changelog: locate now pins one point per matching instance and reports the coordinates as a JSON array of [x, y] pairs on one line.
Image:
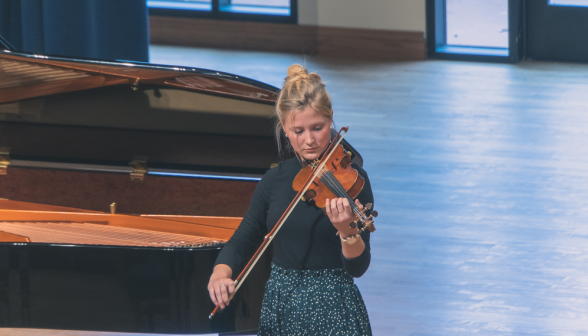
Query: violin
[[336, 179], [330, 177]]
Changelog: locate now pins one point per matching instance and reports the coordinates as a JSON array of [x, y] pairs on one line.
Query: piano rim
[[152, 66]]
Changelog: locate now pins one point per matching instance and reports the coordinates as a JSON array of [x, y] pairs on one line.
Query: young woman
[[310, 290]]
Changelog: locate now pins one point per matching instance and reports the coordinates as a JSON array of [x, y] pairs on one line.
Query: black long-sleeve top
[[306, 241]]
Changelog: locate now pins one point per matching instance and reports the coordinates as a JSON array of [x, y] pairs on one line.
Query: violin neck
[[333, 184]]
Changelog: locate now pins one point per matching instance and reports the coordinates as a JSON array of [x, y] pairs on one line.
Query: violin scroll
[[368, 223]]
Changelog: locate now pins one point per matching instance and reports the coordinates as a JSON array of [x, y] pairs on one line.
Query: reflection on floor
[[480, 173]]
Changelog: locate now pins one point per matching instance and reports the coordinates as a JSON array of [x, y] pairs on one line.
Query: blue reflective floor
[[480, 174]]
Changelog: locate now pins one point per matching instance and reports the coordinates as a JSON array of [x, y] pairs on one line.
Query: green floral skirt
[[323, 302]]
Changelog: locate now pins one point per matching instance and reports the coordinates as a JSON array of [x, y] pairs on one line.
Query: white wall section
[[308, 12], [404, 15]]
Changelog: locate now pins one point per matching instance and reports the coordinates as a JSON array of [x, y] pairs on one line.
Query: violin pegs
[[374, 213], [370, 226], [368, 206]]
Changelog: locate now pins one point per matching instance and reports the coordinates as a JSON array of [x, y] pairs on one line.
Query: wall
[[402, 15], [388, 30]]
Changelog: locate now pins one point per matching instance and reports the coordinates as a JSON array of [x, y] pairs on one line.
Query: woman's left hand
[[341, 215]]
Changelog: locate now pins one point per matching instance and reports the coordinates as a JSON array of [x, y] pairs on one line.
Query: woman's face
[[309, 133]]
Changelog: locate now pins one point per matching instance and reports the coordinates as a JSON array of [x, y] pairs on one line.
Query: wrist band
[[350, 240]]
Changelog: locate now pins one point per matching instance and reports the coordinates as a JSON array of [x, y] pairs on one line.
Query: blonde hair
[[300, 90]]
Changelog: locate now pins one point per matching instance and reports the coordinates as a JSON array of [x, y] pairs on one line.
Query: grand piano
[[119, 184]]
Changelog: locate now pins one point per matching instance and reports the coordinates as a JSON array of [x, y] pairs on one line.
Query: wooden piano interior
[[37, 223]]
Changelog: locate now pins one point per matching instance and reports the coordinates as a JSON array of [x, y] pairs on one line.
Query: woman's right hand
[[221, 287]]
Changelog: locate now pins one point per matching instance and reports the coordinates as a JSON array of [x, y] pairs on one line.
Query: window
[[251, 10], [575, 3], [193, 8], [486, 30], [268, 7], [477, 24], [181, 5]]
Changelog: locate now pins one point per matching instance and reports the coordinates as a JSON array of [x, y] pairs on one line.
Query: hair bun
[[296, 70], [297, 73]]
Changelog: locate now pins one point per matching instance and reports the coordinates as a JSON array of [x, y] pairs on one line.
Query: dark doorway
[[556, 31]]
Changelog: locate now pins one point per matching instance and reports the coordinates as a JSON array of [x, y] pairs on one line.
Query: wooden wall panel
[[262, 36], [371, 44]]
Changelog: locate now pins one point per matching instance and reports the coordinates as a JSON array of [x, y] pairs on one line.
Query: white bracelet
[[349, 240]]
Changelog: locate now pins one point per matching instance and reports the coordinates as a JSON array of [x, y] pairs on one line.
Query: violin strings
[[333, 184], [338, 189], [329, 179]]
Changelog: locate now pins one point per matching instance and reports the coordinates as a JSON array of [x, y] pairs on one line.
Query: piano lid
[[79, 111], [25, 76], [131, 95]]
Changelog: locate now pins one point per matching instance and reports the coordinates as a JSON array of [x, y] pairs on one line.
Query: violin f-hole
[[333, 163]]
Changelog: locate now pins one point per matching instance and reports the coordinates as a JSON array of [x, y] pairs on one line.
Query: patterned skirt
[[323, 302]]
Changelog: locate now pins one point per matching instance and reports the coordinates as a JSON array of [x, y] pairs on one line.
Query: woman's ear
[[331, 118]]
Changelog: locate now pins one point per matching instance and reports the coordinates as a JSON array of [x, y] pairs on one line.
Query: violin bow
[[268, 238]]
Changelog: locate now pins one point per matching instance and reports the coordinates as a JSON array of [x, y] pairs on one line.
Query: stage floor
[[480, 175]]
